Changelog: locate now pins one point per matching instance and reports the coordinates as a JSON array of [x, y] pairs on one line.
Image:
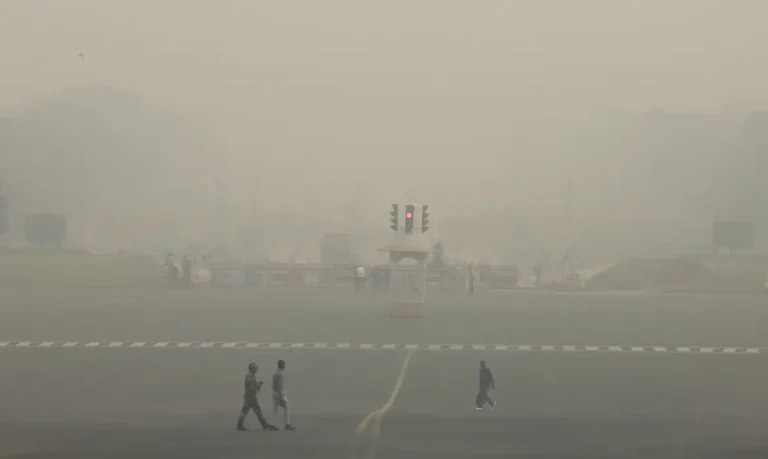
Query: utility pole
[[5, 219], [490, 213], [566, 221]]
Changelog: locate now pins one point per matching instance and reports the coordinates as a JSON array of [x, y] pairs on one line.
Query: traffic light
[[393, 217], [409, 208], [424, 219]]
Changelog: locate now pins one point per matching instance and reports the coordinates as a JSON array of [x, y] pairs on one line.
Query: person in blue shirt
[[279, 400], [486, 382]]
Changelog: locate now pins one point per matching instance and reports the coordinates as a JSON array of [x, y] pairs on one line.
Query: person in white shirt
[[279, 400], [359, 279]]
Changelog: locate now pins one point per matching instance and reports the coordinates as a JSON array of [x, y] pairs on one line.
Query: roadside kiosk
[[408, 280]]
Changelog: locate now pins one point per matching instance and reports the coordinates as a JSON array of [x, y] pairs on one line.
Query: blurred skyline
[[495, 104]]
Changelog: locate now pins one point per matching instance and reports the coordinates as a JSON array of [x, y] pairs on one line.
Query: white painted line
[[387, 406], [550, 348], [376, 416]]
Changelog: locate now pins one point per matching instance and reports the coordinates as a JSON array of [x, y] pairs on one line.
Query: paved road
[[246, 315], [183, 402]]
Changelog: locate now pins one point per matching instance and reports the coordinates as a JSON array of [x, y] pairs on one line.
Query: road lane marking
[[376, 416], [387, 406], [505, 348]]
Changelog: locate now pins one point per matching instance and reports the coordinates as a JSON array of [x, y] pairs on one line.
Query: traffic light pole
[[408, 284]]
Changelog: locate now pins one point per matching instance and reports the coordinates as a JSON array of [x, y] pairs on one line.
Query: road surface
[[128, 373]]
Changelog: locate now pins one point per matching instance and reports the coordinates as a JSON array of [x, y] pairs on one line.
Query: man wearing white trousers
[[279, 400]]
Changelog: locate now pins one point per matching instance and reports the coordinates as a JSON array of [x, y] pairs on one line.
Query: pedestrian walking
[[279, 400], [486, 383], [251, 400]]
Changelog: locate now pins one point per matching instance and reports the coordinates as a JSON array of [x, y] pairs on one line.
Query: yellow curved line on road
[[375, 434], [387, 406]]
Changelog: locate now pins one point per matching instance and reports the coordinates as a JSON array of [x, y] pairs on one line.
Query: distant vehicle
[[504, 277]]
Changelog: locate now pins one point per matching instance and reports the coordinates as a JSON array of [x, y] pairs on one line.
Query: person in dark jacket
[[251, 400], [486, 382]]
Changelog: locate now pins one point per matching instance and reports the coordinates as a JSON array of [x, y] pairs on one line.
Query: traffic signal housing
[[424, 219], [394, 217], [409, 210]]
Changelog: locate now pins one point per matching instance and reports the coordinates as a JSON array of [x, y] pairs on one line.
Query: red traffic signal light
[[409, 209]]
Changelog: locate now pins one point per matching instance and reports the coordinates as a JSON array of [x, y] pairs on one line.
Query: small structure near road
[[408, 281]]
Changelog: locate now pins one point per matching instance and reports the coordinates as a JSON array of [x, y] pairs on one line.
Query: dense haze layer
[[596, 124]]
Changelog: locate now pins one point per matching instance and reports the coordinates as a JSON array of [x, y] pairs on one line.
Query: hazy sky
[[510, 56], [346, 95]]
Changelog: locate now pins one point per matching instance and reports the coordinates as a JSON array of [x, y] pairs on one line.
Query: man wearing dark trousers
[[251, 400], [486, 382]]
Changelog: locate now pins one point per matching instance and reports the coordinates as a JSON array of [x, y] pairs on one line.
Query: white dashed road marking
[[389, 346]]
